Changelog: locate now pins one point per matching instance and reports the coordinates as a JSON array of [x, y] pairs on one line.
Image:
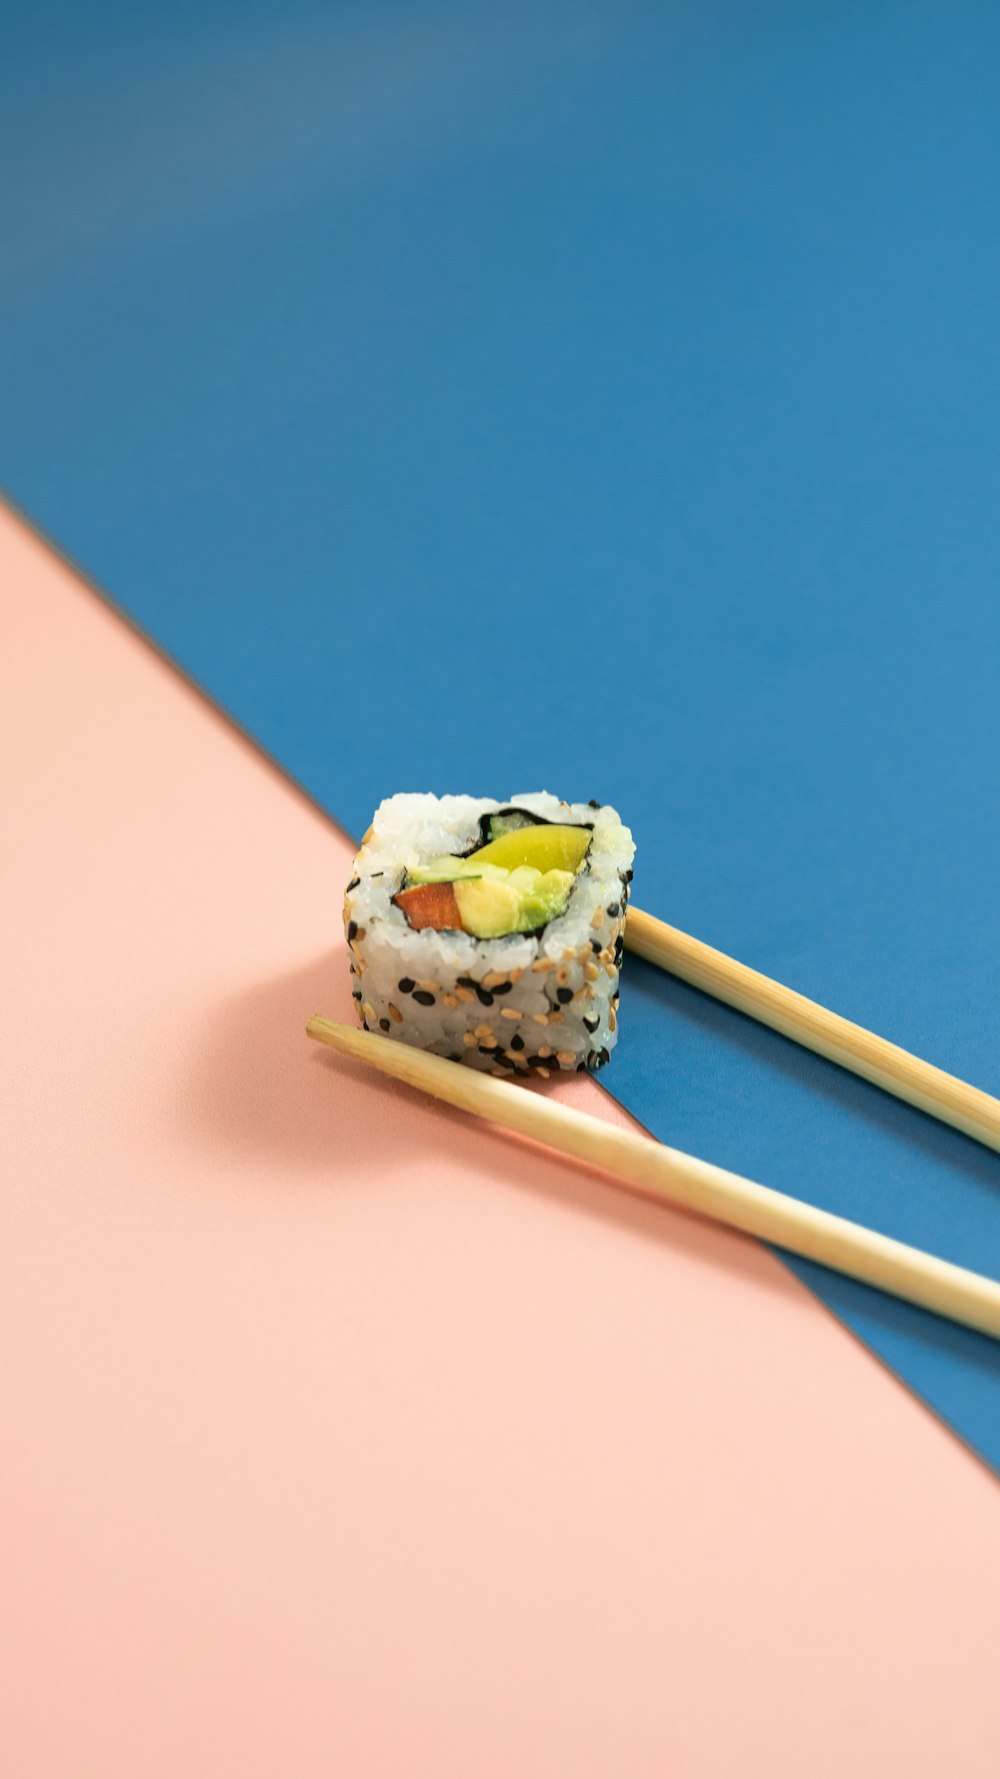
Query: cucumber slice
[[447, 869], [507, 821]]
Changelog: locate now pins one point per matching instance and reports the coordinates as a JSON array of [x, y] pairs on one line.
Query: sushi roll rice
[[492, 933]]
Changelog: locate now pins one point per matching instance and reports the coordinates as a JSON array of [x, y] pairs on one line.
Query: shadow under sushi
[[252, 1085]]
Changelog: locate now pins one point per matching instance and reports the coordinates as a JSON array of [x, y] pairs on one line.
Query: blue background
[[599, 397]]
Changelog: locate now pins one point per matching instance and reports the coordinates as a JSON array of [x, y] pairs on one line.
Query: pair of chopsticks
[[666, 1173]]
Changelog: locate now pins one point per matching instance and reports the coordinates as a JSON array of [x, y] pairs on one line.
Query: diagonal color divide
[[288, 1360], [584, 401]]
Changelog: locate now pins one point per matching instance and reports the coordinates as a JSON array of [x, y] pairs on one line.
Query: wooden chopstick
[[640, 1162], [942, 1095]]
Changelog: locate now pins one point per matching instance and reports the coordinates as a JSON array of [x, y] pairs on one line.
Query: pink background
[[340, 1436]]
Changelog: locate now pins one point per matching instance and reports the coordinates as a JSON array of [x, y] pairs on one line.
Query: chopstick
[[639, 1161], [895, 1070]]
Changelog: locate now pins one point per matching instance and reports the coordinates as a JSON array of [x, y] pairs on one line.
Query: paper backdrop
[[596, 398]]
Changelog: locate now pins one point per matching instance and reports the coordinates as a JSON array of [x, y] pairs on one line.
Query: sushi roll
[[492, 933]]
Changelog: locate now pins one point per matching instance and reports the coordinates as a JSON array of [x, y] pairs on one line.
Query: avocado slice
[[551, 846], [544, 895], [493, 907], [489, 907]]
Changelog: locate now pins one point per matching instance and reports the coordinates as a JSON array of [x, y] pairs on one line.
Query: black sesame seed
[[605, 1057], [353, 884], [406, 985], [627, 876], [503, 988], [591, 1024], [592, 803], [352, 930], [595, 945], [454, 1056], [619, 948], [485, 998], [517, 1043], [564, 995], [614, 910], [357, 994], [384, 1023], [537, 1062], [581, 1068], [488, 1049], [424, 996]]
